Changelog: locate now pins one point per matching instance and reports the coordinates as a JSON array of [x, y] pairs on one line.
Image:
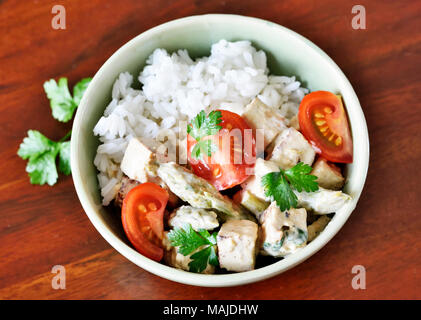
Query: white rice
[[176, 87]]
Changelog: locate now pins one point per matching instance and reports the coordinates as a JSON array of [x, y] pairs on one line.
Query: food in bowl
[[215, 162]]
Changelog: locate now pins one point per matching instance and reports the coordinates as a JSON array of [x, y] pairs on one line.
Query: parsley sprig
[[188, 240], [201, 127], [279, 185], [42, 152], [63, 105]]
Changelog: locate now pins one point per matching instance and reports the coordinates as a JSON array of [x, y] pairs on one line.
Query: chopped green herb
[[188, 241], [279, 185], [63, 105], [277, 245], [301, 237], [203, 126]]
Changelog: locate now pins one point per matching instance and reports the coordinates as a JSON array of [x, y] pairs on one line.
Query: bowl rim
[[219, 280]]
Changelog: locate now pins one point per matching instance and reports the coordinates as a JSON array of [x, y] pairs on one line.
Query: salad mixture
[[257, 171]]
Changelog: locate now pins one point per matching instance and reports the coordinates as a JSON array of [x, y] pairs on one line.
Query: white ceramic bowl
[[288, 54]]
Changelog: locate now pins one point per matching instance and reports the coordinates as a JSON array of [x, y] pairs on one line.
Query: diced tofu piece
[[328, 175], [254, 183], [283, 232], [139, 163], [260, 116], [322, 201], [198, 192], [197, 218], [237, 248], [126, 185], [251, 202], [175, 259], [289, 148], [316, 227]]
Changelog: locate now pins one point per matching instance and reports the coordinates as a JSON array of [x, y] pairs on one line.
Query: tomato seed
[[338, 141], [152, 206], [142, 208]]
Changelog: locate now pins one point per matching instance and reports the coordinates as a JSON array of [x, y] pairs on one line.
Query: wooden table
[[45, 226]]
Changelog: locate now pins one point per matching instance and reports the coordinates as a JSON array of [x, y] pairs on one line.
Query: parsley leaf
[[41, 154], [203, 147], [34, 145], [279, 185], [64, 158], [277, 188], [188, 241], [42, 169], [79, 89], [62, 103], [202, 126], [300, 178]]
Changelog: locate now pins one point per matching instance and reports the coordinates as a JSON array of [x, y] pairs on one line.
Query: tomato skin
[[222, 169], [142, 216], [323, 121]]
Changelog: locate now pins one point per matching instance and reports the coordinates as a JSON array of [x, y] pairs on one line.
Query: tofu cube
[[251, 202], [237, 248], [138, 163], [283, 232], [260, 116], [289, 148], [328, 175], [254, 183]]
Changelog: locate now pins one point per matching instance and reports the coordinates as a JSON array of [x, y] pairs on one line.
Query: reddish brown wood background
[[45, 226]]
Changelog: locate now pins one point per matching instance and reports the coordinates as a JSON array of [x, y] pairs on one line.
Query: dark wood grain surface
[[45, 226]]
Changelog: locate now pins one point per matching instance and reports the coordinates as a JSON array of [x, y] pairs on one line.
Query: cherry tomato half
[[324, 123], [142, 215], [230, 164]]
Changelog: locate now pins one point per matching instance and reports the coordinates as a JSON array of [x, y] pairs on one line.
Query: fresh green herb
[[41, 154], [300, 178], [301, 237], [203, 147], [279, 185], [62, 103], [275, 246], [188, 241], [203, 126]]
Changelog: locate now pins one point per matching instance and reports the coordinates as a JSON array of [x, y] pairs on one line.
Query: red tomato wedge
[[235, 155], [142, 215], [324, 123]]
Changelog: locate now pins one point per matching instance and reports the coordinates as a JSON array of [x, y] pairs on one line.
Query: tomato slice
[[231, 164], [142, 215], [324, 123]]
